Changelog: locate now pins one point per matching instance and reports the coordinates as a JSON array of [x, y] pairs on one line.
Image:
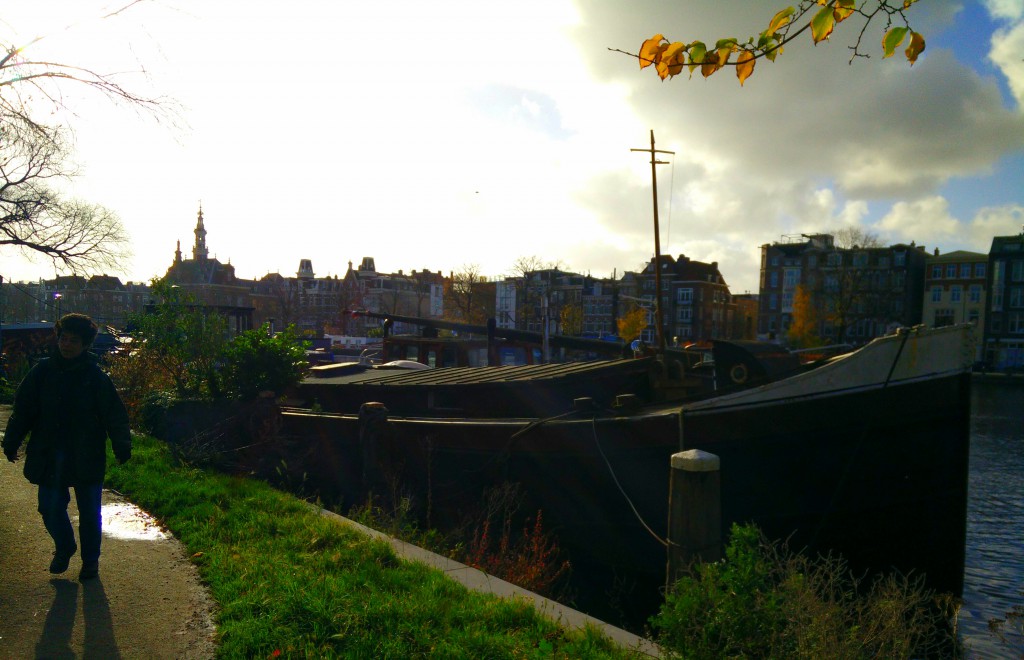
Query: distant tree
[[34, 219], [845, 293], [465, 298], [528, 297], [632, 323], [570, 319], [803, 328]]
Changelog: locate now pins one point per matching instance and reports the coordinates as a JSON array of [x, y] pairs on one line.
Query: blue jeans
[[53, 506]]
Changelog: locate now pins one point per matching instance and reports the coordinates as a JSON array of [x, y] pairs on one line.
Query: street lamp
[[57, 296]]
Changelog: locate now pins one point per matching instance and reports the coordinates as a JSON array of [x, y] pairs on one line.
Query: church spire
[[199, 251], [177, 254]]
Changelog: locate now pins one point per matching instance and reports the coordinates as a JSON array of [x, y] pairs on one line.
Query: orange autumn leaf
[[915, 48], [650, 51], [710, 64], [745, 65]]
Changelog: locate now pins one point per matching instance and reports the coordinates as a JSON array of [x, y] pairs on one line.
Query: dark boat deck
[[485, 392]]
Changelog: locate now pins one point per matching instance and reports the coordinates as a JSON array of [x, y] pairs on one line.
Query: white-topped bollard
[[694, 511]]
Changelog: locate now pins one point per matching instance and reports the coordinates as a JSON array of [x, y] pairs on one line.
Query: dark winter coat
[[68, 405]]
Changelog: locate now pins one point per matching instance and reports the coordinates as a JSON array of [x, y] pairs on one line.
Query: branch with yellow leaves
[[819, 16]]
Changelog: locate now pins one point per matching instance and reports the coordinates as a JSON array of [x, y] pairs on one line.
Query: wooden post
[[373, 417], [694, 511]]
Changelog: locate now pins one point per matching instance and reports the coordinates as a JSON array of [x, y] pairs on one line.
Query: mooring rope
[[611, 471]]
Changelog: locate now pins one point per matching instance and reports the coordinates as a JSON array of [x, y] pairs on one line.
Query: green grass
[[289, 582]]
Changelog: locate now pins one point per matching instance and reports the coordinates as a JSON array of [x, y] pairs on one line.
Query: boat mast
[[658, 319]]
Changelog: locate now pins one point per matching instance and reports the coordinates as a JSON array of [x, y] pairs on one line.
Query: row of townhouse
[[104, 297], [695, 301], [859, 293]]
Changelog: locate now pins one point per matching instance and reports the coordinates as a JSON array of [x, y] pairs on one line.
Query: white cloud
[[912, 221], [1007, 53], [1006, 9]]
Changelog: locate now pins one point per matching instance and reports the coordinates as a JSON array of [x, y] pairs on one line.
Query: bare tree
[[845, 292], [34, 218], [527, 297], [466, 299]]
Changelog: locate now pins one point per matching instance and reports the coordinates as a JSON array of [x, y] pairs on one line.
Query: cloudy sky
[[450, 133]]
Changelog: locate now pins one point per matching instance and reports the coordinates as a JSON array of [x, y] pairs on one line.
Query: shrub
[[255, 362], [762, 601]]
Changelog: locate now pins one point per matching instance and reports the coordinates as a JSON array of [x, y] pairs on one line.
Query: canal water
[[994, 572]]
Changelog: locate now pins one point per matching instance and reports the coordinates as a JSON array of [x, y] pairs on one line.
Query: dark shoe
[[60, 561], [90, 569]]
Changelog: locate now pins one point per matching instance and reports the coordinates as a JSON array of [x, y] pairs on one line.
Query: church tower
[[199, 251]]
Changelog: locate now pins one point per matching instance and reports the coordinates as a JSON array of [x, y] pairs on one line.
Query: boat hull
[[866, 457]]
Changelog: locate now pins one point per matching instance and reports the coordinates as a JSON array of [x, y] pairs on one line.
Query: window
[[1017, 296], [899, 259], [686, 315], [773, 280], [812, 261], [883, 262], [791, 278], [979, 270], [973, 316], [834, 259], [1015, 323], [860, 260], [974, 293], [936, 272], [775, 260], [950, 271], [773, 301], [936, 294], [1017, 271], [965, 271], [955, 293], [684, 296], [787, 301]]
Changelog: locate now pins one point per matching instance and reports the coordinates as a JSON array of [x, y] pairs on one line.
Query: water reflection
[[994, 572], [124, 520]]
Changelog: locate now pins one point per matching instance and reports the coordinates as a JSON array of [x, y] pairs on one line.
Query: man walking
[[70, 406]]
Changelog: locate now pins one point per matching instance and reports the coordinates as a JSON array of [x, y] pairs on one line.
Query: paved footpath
[[148, 601]]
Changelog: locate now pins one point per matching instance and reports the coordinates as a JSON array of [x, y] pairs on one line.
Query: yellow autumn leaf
[[915, 48], [892, 39], [780, 19], [744, 65], [822, 24], [725, 48], [651, 50], [843, 9]]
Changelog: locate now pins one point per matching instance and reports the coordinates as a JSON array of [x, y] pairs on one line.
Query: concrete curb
[[477, 580]]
